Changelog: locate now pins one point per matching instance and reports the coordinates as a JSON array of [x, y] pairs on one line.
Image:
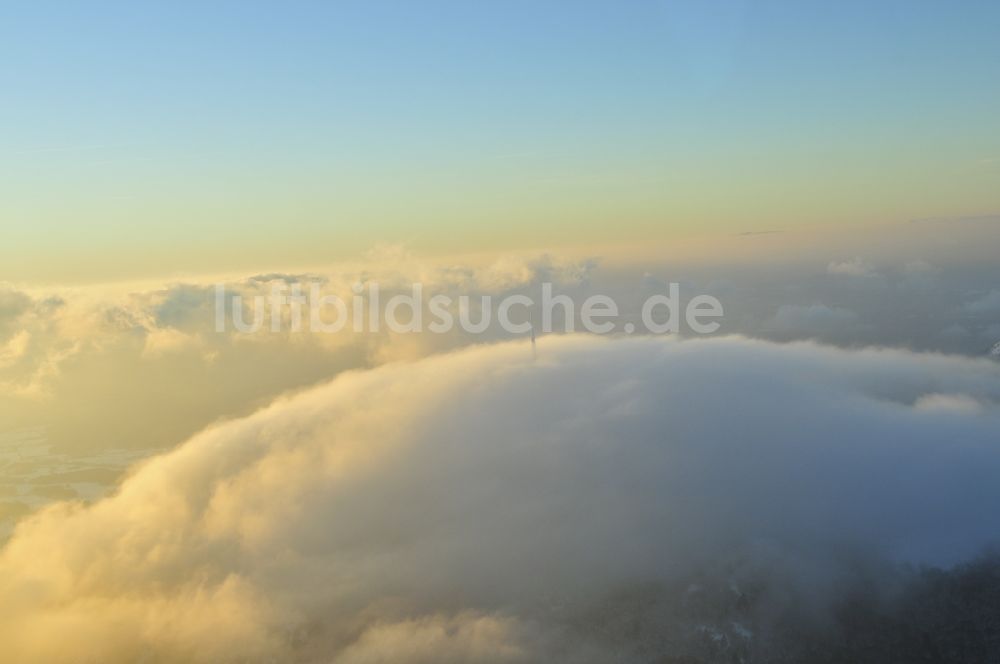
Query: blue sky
[[137, 127]]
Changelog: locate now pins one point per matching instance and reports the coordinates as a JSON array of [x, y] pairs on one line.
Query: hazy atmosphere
[[418, 332]]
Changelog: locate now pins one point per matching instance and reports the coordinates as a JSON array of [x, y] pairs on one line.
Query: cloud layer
[[473, 506]]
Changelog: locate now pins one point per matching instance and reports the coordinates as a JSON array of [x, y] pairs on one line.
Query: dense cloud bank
[[94, 366], [609, 500]]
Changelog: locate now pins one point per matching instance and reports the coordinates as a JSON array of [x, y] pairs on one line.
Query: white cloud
[[468, 637], [446, 505], [152, 350], [949, 403], [855, 267]]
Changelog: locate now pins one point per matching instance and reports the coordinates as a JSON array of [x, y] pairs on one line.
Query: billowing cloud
[[123, 356], [488, 506], [957, 403], [855, 267]]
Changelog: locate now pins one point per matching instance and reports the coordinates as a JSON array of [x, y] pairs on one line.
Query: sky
[[147, 140]]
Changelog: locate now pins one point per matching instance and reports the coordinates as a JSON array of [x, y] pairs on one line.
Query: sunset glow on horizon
[[146, 139]]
